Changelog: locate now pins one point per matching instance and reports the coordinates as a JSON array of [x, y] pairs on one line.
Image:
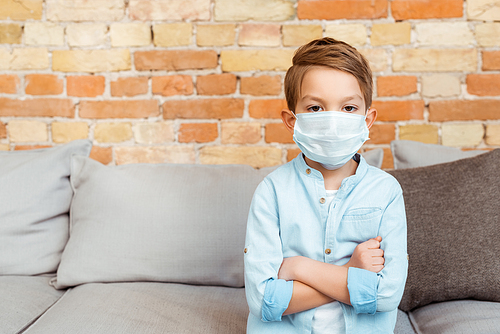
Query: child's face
[[326, 89]]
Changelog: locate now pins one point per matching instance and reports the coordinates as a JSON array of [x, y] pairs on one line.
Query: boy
[[325, 249]]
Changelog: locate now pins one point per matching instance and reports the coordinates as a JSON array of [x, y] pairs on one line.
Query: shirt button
[[308, 171], [245, 250], [328, 251], [322, 200]]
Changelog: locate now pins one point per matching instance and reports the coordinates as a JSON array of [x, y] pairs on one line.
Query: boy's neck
[[333, 178]]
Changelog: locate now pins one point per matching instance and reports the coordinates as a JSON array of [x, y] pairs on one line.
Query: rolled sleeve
[[267, 296], [362, 285], [392, 278], [277, 296]]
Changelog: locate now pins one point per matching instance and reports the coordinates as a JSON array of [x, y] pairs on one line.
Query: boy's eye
[[315, 109], [350, 108]]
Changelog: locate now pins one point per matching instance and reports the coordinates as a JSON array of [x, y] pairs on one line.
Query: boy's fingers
[[377, 252], [372, 244]]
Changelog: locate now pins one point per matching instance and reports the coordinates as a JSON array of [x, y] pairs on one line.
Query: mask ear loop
[[294, 115]]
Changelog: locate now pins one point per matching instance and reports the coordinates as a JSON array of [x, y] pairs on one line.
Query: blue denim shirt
[[289, 217]]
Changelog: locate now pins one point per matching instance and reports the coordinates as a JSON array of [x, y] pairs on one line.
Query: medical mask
[[330, 138]]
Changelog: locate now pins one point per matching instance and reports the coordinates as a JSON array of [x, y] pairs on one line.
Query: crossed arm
[[317, 283]]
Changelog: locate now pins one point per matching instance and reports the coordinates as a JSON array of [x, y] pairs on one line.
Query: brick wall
[[201, 81]]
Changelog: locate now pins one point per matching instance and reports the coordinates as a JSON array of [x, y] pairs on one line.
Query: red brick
[[3, 130], [491, 61], [259, 34], [388, 161], [278, 133], [382, 133], [390, 111], [9, 83], [30, 147], [206, 108], [262, 85], [396, 85], [341, 9], [129, 86], [198, 132], [216, 84], [426, 9], [43, 84], [119, 109], [266, 108], [175, 60], [240, 133], [85, 85], [292, 153], [102, 154], [463, 110], [483, 84], [37, 107], [173, 85]]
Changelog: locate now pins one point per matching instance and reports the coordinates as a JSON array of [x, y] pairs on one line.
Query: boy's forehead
[[324, 80]]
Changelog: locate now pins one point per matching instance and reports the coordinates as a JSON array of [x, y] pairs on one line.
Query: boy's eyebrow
[[352, 97], [345, 99], [312, 97]]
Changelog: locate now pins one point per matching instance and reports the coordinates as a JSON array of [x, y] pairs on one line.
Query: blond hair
[[330, 53]]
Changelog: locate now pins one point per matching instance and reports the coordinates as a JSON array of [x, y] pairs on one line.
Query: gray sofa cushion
[[374, 157], [403, 324], [410, 154], [35, 195], [457, 317], [23, 299], [157, 222], [453, 214], [123, 308]]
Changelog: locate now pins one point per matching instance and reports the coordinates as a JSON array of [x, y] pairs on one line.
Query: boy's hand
[[368, 256], [286, 271]]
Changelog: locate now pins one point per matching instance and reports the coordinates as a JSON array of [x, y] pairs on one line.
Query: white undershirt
[[329, 318]]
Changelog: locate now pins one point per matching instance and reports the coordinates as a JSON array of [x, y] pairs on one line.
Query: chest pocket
[[360, 224]]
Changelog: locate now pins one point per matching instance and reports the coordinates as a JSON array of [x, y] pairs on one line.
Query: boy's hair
[[330, 53]]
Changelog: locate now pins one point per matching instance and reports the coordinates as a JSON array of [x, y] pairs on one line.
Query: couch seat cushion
[[403, 324], [457, 317], [23, 299], [146, 308]]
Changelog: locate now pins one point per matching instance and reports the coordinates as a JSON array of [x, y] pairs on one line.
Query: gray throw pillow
[[411, 154], [453, 215], [35, 195], [374, 157], [157, 222]]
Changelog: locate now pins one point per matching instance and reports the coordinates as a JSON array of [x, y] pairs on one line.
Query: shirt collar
[[303, 168]]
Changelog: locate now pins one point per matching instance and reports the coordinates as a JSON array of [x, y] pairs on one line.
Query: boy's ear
[[371, 116], [288, 119]]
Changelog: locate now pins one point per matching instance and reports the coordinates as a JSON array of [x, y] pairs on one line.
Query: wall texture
[[201, 81]]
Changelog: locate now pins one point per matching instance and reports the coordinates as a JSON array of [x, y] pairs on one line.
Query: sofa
[[158, 248]]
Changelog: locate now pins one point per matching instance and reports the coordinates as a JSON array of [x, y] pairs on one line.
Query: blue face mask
[[330, 138]]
